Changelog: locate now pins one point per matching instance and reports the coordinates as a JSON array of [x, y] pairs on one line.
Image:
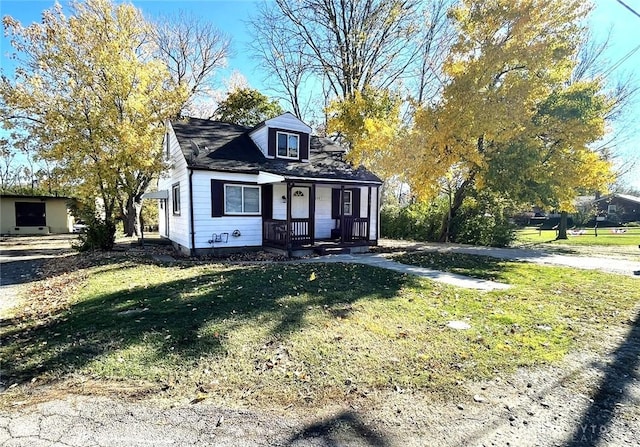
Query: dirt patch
[[248, 256]]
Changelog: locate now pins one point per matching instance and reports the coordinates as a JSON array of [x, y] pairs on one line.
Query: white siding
[[177, 173], [261, 138], [279, 206], [249, 227], [373, 224], [324, 222], [286, 121]]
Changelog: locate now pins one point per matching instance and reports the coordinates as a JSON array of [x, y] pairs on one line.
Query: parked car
[[79, 227]]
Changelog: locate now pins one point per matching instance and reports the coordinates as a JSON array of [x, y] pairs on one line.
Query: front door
[[301, 218], [300, 202]]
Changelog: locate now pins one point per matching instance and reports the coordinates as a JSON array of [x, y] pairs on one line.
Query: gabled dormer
[[283, 137]]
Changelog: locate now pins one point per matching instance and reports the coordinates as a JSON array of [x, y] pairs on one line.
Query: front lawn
[[605, 236], [282, 334]]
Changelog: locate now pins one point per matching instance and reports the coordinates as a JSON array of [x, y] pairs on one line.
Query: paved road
[[97, 421]]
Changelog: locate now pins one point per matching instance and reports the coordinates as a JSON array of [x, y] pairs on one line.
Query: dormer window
[[288, 144], [284, 143]]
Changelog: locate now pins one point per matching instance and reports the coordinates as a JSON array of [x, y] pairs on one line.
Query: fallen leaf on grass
[[199, 398]]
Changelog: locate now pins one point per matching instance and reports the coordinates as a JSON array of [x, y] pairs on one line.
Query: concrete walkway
[[629, 267], [379, 260]]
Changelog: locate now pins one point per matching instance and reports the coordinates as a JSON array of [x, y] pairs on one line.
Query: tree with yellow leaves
[[88, 89], [368, 122], [509, 117]]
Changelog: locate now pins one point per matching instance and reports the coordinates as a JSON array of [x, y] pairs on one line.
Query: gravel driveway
[[589, 400], [20, 259]]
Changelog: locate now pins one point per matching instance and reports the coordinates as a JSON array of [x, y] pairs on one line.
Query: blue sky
[[230, 17]]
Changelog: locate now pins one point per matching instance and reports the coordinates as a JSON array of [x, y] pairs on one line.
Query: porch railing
[[300, 234], [274, 232], [355, 229]]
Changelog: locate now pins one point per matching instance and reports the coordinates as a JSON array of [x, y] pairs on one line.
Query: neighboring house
[[274, 185], [584, 204], [619, 208], [34, 214]]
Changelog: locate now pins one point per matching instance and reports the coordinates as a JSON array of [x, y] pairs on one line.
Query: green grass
[[283, 333], [606, 236]]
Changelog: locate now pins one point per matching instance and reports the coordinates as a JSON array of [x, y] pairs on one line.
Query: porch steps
[[322, 251]]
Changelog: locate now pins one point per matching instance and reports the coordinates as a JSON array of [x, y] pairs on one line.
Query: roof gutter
[[276, 178], [333, 180]]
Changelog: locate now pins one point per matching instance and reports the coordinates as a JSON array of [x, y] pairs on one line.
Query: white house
[[274, 185]]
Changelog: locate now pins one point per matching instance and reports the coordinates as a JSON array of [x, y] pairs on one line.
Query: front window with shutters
[[241, 199], [287, 145]]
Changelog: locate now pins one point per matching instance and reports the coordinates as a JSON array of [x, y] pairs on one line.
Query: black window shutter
[[335, 203], [271, 145], [355, 212], [267, 201], [217, 198], [304, 146]]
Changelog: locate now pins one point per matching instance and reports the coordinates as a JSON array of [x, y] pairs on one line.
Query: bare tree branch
[[348, 43], [193, 50]]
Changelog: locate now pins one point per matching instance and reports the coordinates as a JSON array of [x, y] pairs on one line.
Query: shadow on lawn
[[23, 256], [19, 271], [623, 371], [170, 316], [342, 429]]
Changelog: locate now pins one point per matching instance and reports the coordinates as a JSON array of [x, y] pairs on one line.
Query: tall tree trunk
[[107, 209], [562, 226], [132, 211], [456, 203], [133, 206], [448, 216], [454, 206], [126, 227]]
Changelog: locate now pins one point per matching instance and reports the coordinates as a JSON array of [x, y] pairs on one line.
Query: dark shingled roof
[[227, 147]]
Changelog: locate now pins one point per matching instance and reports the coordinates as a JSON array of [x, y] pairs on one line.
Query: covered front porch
[[319, 216]]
